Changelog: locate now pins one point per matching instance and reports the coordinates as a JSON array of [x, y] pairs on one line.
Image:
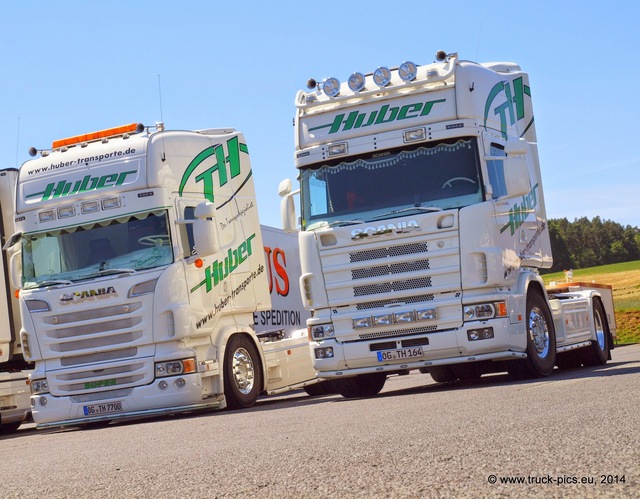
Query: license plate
[[406, 353], [106, 408]]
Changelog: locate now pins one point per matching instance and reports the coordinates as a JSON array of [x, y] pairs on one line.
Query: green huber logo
[[234, 148], [385, 114], [520, 211], [88, 183], [220, 270], [512, 108]]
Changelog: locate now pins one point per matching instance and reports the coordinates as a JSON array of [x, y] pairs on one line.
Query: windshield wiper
[[52, 282], [323, 224], [104, 272], [422, 209]]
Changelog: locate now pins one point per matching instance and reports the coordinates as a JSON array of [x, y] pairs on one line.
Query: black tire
[[365, 385], [242, 373], [442, 374], [6, 428], [569, 360], [468, 372], [598, 353], [541, 341], [321, 388]]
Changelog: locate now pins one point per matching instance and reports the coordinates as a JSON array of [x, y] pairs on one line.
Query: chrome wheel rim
[[539, 331], [599, 330], [243, 371]]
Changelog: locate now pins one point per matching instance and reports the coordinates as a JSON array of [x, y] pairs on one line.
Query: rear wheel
[[598, 353], [442, 374], [365, 385], [321, 388], [9, 427], [242, 373], [541, 341]]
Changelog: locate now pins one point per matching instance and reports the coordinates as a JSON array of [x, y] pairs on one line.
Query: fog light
[[43, 401], [404, 316], [323, 353], [426, 315], [485, 333], [361, 322], [163, 385], [383, 320], [180, 382]]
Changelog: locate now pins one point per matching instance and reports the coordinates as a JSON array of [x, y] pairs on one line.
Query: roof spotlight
[[331, 87], [408, 71], [356, 82], [382, 76]]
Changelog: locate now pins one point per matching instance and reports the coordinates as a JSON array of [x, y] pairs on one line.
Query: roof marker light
[[101, 134]]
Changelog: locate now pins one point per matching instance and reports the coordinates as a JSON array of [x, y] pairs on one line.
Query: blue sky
[[71, 67]]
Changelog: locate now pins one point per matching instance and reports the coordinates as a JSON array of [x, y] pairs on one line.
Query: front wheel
[[365, 385], [598, 353], [541, 341], [242, 373]]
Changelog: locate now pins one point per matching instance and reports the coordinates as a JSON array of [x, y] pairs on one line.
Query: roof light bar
[[101, 134]]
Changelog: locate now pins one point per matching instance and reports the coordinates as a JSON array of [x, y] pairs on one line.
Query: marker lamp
[[336, 149], [110, 203], [89, 207], [66, 211], [46, 216]]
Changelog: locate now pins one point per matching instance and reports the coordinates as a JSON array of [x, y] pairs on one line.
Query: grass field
[[625, 280]]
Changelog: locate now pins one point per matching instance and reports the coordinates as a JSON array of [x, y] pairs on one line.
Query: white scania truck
[[424, 226], [144, 284], [14, 370]]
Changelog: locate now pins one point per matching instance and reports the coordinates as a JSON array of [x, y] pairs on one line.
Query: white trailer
[[143, 274], [15, 406], [424, 226]]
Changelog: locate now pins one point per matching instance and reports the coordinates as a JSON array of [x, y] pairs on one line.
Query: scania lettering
[[424, 229], [141, 270], [15, 406]]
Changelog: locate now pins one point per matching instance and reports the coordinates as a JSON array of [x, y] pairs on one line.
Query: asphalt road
[[574, 434]]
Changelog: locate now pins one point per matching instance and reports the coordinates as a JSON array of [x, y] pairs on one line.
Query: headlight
[[39, 386], [483, 311], [320, 332], [175, 367]]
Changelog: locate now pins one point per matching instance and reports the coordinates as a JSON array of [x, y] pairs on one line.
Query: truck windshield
[[434, 176], [126, 244]]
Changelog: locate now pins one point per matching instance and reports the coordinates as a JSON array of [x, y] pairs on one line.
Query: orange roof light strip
[[89, 137]]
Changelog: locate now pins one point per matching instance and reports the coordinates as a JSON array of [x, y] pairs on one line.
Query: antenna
[[479, 34], [164, 157], [18, 142]]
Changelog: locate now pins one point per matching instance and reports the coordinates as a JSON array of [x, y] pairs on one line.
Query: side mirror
[[204, 229], [287, 206], [15, 270], [516, 177]]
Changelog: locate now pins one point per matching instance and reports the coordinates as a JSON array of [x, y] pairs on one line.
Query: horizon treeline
[[588, 243]]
